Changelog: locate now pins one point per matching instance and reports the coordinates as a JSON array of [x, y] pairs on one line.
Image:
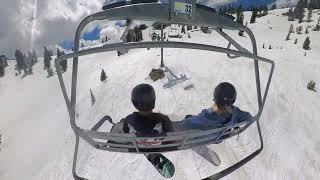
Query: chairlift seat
[[159, 143]]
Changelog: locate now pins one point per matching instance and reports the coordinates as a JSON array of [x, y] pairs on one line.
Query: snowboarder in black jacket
[[145, 121]]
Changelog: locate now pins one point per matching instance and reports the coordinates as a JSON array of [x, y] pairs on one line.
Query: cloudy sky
[[25, 24], [28, 24]]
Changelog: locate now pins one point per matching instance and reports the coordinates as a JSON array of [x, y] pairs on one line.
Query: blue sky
[[91, 35], [94, 34], [66, 44]]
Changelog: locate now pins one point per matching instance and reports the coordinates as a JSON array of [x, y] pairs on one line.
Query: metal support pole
[[162, 63]]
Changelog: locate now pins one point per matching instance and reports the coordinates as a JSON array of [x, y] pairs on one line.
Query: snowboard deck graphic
[[162, 164]]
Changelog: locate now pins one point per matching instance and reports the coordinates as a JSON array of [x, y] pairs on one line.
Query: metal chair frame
[[164, 13]]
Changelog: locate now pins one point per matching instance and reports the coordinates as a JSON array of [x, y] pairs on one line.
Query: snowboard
[[162, 164], [208, 155]]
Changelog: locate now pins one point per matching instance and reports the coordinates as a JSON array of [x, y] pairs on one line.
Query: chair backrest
[[165, 142]]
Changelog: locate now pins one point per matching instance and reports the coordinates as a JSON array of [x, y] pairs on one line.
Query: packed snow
[[38, 142]]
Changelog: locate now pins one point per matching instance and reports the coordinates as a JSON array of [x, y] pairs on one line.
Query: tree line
[[25, 62], [3, 65]]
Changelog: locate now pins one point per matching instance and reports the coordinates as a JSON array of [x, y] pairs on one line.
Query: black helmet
[[225, 94], [143, 97]]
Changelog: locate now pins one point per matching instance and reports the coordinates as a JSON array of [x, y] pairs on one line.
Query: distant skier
[[222, 114]]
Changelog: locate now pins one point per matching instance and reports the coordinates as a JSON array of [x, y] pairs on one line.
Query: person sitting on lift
[[145, 121], [222, 114]]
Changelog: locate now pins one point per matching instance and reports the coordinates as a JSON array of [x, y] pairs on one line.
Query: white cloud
[[28, 23]]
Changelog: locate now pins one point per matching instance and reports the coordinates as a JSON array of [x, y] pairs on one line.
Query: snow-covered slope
[[38, 143]]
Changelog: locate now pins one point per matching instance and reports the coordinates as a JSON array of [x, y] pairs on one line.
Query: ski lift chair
[[185, 12]]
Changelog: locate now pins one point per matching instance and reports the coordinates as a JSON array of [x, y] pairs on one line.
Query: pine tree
[[309, 16], [34, 57], [317, 28], [309, 5], [137, 34], [50, 73], [29, 63], [299, 10], [63, 63], [290, 15], [103, 76], [241, 33], [205, 29], [93, 100], [3, 64], [130, 36], [299, 29], [58, 52], [305, 3], [296, 41], [20, 58], [314, 4], [307, 31], [253, 16], [265, 11], [312, 86], [183, 30], [2, 70], [47, 58], [240, 19], [288, 37], [306, 44], [143, 27], [291, 30]]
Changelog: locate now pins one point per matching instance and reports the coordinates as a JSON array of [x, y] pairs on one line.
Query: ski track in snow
[[38, 143]]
